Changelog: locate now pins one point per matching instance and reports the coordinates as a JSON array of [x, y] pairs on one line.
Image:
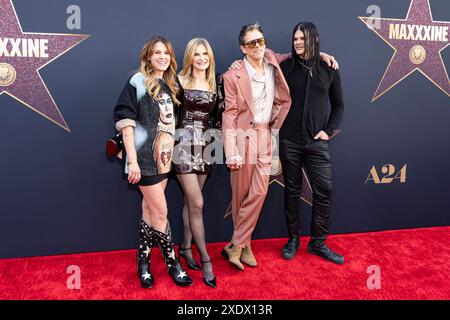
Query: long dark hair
[[312, 44]]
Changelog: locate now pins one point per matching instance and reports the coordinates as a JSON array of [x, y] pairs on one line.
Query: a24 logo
[[388, 174]]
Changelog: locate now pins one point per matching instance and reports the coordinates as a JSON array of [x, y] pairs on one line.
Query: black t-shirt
[[309, 109]]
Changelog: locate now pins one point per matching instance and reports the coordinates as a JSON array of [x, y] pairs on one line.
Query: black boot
[[290, 248], [176, 271], [320, 249], [143, 254]]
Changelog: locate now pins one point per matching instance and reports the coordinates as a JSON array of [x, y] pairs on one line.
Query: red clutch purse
[[114, 145]]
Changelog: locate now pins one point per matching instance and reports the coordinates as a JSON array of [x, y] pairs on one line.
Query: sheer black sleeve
[[216, 117], [179, 108]]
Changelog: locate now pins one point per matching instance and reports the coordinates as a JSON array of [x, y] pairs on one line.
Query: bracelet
[[131, 162]]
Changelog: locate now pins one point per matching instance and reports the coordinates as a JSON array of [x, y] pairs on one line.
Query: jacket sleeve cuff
[[329, 131], [232, 159], [120, 125]]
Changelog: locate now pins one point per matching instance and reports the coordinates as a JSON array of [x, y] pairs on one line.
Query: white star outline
[[146, 275], [172, 254]]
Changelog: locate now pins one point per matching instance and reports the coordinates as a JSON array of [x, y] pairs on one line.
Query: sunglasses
[[252, 44]]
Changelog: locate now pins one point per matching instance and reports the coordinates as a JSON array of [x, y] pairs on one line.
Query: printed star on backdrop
[[412, 54], [20, 64], [306, 193]]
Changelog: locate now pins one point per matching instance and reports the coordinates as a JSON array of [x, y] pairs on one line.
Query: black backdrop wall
[[59, 193]]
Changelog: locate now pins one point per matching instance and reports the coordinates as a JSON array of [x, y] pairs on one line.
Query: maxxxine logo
[[417, 42], [22, 55]]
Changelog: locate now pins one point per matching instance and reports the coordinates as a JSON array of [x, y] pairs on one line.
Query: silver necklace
[[309, 68]]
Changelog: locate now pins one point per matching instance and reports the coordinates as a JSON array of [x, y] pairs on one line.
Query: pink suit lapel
[[245, 86]]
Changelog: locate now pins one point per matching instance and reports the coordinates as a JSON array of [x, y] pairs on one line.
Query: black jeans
[[315, 157]]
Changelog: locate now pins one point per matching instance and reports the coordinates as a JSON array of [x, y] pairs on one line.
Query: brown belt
[[260, 126]]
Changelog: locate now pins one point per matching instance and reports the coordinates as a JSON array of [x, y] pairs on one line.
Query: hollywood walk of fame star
[[306, 193], [22, 55], [417, 46]]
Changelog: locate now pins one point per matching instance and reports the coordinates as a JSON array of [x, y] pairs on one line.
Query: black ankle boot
[[176, 271], [290, 248], [320, 249], [143, 254]]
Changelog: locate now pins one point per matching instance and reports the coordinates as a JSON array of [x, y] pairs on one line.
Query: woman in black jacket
[[145, 116]]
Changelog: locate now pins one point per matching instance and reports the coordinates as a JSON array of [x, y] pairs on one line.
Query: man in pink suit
[[257, 100]]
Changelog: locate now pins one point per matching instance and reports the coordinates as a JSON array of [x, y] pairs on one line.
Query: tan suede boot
[[233, 254], [248, 257]]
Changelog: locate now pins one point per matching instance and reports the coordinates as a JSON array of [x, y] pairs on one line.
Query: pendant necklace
[[309, 68]]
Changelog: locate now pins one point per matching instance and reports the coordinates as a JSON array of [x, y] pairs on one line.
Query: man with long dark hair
[[304, 138]]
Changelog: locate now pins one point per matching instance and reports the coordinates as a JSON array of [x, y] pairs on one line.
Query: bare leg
[[155, 207], [146, 213], [192, 185]]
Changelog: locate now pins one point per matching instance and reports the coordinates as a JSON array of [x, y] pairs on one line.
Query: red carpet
[[415, 264]]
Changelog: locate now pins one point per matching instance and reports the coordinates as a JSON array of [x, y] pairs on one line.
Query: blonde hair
[[186, 74], [169, 75]]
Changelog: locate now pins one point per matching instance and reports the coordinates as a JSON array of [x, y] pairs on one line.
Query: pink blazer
[[239, 106]]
